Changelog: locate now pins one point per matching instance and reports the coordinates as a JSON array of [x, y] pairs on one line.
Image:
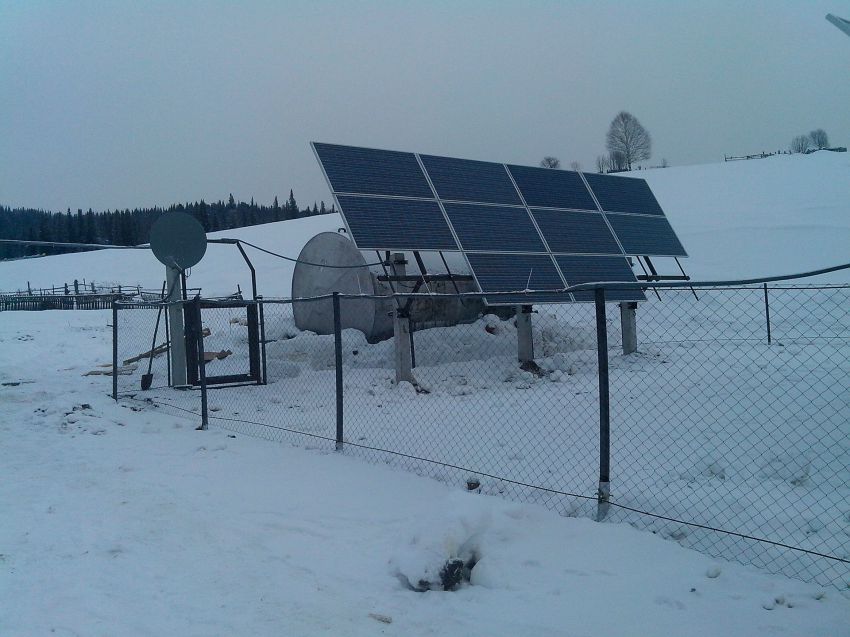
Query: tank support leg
[[401, 328], [628, 321]]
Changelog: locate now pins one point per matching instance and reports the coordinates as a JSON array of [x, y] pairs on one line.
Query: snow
[[126, 521], [778, 215], [121, 519]]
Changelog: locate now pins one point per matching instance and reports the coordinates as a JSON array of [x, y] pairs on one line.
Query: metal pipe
[[338, 365], [251, 267], [114, 351], [767, 314]]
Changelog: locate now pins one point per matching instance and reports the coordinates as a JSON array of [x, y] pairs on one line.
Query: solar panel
[[548, 188], [467, 180], [623, 194], [499, 272], [378, 223], [491, 228], [590, 269], [519, 227], [646, 236], [576, 232], [373, 172]]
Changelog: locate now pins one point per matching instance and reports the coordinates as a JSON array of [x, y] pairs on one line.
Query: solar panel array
[[520, 228]]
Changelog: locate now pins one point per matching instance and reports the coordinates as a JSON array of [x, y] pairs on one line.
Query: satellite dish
[[178, 240]]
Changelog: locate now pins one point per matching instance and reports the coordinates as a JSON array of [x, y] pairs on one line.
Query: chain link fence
[[729, 427]]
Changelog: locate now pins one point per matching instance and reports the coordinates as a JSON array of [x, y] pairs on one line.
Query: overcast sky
[[120, 104]]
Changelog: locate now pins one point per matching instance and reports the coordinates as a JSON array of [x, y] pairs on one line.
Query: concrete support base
[[628, 321]]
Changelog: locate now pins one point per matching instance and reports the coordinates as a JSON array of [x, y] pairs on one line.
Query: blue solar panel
[[646, 236], [396, 224], [467, 180], [576, 232], [508, 272], [623, 194], [548, 188], [373, 172], [584, 269], [490, 228]]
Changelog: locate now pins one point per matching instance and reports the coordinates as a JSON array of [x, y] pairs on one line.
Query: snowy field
[[127, 521], [710, 424], [123, 520]]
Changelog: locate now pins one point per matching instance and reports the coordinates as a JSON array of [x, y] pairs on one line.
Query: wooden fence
[[12, 302]]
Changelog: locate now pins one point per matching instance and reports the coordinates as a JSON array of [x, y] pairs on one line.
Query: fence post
[[767, 314], [338, 366], [263, 338], [114, 351], [604, 492], [198, 328]]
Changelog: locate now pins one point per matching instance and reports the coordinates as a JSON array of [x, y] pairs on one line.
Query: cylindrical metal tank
[[373, 317]]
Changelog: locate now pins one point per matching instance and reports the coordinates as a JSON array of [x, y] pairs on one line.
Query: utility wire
[[318, 265]]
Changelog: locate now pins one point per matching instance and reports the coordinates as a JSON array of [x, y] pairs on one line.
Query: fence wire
[[730, 424]]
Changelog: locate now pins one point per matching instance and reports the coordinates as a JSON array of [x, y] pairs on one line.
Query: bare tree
[[550, 162], [602, 164], [800, 144], [576, 166], [819, 138], [628, 137], [616, 162]]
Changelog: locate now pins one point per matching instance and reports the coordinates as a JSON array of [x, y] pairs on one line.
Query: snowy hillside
[[121, 520], [777, 215]]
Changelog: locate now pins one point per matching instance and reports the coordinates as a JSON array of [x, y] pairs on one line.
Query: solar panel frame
[[488, 228], [504, 271], [629, 195], [601, 268], [644, 235], [565, 189], [560, 228], [402, 223], [400, 174], [470, 181]]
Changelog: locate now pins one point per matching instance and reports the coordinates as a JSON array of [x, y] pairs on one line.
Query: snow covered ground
[[710, 424], [125, 521]]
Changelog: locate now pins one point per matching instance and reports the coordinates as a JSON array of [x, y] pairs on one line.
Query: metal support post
[[114, 351], [338, 366], [604, 492], [198, 331], [401, 329], [175, 328], [767, 314], [525, 340], [263, 338], [628, 322]]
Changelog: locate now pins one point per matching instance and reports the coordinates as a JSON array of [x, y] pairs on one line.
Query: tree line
[[132, 227], [817, 139]]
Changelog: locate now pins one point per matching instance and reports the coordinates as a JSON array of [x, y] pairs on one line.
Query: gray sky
[[120, 104]]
